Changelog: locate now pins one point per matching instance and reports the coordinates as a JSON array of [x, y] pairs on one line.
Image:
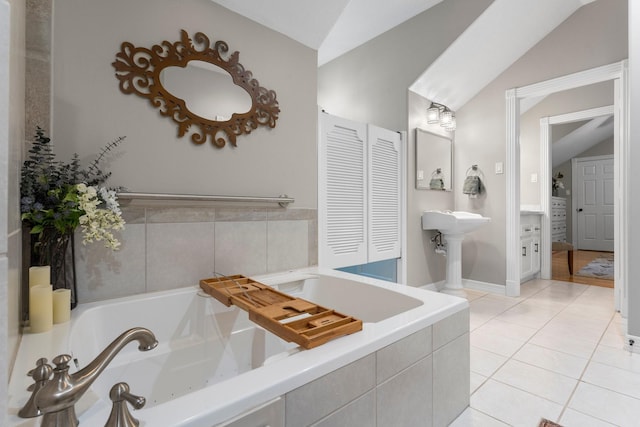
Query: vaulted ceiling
[[332, 27], [502, 34]]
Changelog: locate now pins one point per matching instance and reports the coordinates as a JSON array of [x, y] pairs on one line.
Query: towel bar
[[282, 200]]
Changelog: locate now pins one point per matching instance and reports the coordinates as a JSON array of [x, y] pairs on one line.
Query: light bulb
[[433, 114], [446, 117]]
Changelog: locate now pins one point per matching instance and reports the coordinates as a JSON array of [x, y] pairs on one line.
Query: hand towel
[[472, 185], [436, 184]]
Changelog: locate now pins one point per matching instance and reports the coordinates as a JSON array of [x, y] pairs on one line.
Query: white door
[[359, 193], [342, 197], [384, 194], [595, 207]]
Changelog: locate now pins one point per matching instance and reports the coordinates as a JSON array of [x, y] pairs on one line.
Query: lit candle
[[40, 308], [61, 305], [39, 275]]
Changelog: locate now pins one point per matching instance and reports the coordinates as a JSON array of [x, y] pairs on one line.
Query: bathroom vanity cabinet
[[558, 219], [529, 247]]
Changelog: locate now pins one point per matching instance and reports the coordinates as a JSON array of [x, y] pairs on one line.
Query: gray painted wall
[[584, 98], [594, 35], [369, 84], [89, 109], [361, 86]]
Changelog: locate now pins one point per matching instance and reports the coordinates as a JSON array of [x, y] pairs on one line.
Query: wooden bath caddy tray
[[292, 319]]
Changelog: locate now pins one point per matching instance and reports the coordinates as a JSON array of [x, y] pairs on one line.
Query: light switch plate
[[499, 168], [534, 177], [420, 174]]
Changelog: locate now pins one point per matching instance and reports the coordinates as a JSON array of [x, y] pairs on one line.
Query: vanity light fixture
[[441, 114]]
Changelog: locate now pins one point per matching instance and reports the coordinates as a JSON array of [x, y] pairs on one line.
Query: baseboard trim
[[492, 288], [435, 287]]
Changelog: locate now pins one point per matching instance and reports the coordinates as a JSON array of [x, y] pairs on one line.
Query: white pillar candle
[[61, 305], [40, 308], [39, 275]]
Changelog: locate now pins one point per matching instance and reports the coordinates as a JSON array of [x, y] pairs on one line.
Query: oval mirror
[[141, 72], [207, 90]]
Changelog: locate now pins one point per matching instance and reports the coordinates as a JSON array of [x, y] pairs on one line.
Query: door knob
[[579, 209]]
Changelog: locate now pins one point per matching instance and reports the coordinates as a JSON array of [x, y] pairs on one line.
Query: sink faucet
[[57, 398]]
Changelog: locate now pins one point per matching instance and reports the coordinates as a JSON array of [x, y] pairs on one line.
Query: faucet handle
[[39, 362], [120, 415], [62, 362], [40, 374]]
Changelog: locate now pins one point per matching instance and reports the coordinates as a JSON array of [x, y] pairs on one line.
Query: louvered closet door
[[342, 211], [384, 194]]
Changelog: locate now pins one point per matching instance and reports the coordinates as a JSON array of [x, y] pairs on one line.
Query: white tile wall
[[319, 398], [102, 273], [179, 254], [170, 247], [241, 247], [401, 354], [397, 407]]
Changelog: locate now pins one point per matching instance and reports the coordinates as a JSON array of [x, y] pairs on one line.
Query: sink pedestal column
[[453, 284]]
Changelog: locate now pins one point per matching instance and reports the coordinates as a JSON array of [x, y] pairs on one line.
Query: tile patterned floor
[[555, 352]]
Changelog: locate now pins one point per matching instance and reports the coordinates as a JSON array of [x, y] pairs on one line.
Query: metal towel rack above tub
[[282, 200]]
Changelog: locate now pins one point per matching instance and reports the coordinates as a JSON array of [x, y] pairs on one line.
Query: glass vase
[[56, 249]]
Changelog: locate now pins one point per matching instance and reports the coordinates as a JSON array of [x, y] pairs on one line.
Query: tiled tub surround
[[170, 247], [408, 366]]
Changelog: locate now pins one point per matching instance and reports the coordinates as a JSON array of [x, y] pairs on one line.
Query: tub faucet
[[57, 398]]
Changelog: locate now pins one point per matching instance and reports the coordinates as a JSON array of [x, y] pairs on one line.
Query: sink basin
[[453, 225], [455, 222]]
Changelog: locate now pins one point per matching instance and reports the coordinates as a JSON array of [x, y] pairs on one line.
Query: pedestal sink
[[453, 225]]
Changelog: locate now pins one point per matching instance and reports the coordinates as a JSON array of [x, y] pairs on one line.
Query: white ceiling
[[332, 27], [502, 34], [581, 139]]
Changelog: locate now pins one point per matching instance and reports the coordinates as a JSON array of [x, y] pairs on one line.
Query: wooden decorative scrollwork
[[138, 70]]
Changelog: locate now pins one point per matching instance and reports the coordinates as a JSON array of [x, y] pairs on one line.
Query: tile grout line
[[509, 358], [584, 370]]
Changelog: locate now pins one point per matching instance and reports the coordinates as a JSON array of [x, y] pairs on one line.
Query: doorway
[[618, 72], [581, 259], [547, 164]]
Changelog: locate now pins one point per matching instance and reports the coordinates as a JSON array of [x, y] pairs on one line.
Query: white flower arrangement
[[98, 223]]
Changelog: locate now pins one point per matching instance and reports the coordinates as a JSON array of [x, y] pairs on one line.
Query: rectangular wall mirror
[[434, 161]]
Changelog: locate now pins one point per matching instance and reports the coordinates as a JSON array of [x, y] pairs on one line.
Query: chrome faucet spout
[[57, 398]]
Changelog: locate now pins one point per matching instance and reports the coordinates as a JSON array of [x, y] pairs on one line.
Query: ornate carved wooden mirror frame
[[139, 68]]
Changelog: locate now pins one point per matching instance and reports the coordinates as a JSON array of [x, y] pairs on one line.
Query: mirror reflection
[[206, 89], [434, 161]]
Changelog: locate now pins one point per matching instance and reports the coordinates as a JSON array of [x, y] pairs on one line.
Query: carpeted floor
[[601, 268]]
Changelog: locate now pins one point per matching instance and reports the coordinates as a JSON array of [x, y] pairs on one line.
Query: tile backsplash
[[171, 247]]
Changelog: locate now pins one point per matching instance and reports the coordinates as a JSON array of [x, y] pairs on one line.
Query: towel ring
[[474, 171]]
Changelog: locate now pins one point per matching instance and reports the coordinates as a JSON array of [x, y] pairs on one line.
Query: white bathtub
[[212, 363]]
